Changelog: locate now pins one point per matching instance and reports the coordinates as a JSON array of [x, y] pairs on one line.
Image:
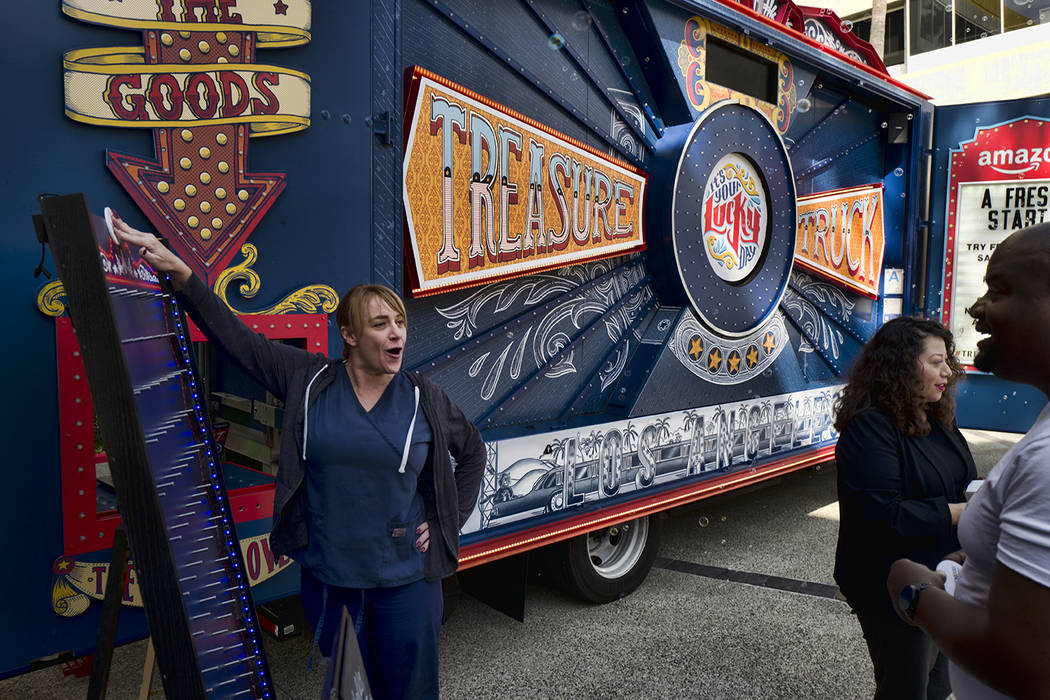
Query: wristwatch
[[909, 599]]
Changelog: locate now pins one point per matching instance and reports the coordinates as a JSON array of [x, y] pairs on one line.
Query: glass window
[[894, 48], [931, 26], [1018, 14], [975, 19]]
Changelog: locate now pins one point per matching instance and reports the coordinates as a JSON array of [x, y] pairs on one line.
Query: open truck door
[[992, 177]]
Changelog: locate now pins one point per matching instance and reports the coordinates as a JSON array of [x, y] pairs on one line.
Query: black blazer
[[893, 494]]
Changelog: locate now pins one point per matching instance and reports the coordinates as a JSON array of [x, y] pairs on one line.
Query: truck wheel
[[608, 564]]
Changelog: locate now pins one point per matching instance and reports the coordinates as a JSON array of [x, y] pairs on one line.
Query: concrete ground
[[740, 604]]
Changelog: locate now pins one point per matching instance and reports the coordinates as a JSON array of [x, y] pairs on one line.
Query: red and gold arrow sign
[[195, 83]]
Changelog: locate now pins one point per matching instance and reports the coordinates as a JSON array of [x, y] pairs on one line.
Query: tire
[[608, 564]]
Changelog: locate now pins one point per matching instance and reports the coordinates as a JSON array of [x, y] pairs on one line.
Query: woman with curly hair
[[903, 468]]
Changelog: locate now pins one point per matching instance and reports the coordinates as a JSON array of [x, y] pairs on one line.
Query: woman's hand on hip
[[155, 253], [423, 541]]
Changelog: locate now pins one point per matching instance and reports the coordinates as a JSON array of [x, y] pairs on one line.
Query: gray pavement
[[687, 632]]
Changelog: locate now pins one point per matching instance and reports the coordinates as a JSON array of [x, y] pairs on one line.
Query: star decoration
[[752, 356], [279, 8], [769, 343], [714, 360], [733, 361], [696, 347]]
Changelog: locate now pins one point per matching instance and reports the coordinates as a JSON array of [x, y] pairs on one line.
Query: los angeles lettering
[[590, 204]]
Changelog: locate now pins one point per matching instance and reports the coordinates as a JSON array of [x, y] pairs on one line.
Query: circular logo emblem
[[720, 216], [735, 217]]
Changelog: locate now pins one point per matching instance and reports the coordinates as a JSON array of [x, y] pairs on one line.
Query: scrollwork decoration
[[50, 300], [312, 299]]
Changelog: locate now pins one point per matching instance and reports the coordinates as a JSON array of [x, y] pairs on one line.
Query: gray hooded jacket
[[289, 373]]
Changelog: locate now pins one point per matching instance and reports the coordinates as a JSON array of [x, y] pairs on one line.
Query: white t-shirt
[[1008, 520]]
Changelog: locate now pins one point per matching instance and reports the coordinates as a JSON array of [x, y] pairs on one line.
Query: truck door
[[991, 177]]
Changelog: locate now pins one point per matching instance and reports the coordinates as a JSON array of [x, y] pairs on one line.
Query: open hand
[[155, 253]]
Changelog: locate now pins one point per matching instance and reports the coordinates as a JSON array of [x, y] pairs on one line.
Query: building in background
[[960, 51]]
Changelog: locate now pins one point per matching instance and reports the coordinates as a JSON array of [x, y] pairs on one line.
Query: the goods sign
[[195, 83]]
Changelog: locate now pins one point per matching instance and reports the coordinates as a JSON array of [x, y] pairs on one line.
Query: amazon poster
[[998, 183], [988, 213]]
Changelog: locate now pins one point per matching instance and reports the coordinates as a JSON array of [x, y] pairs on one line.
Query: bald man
[[996, 628]]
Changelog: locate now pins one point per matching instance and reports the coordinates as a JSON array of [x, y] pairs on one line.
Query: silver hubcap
[[615, 550]]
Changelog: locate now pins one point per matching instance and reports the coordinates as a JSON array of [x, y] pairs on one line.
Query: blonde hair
[[352, 312]]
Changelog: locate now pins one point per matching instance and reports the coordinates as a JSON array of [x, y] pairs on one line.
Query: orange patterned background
[[424, 196], [841, 237]]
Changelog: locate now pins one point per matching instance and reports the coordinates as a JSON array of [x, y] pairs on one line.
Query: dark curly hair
[[886, 375]]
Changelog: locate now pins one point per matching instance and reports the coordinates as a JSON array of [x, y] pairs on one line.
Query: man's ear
[[348, 337]]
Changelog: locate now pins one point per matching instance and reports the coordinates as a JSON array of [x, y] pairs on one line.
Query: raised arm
[[154, 252], [269, 363]]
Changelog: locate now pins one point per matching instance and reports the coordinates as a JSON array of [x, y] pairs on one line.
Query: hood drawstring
[[408, 438], [306, 408]]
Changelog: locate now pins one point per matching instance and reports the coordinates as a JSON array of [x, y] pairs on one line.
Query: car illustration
[[538, 484]]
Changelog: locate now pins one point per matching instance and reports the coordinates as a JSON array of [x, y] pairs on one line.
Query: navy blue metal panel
[[45, 152], [917, 227], [624, 394], [584, 361], [386, 121], [813, 365], [896, 203], [854, 313], [468, 62], [491, 41], [659, 72], [669, 23], [842, 148], [496, 347], [328, 199], [327, 176], [823, 315], [671, 386], [988, 403], [573, 27], [608, 25], [603, 393]]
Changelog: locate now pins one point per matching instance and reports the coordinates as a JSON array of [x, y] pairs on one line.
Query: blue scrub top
[[363, 513]]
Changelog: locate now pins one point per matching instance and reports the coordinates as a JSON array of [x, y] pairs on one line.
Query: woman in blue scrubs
[[366, 499]]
